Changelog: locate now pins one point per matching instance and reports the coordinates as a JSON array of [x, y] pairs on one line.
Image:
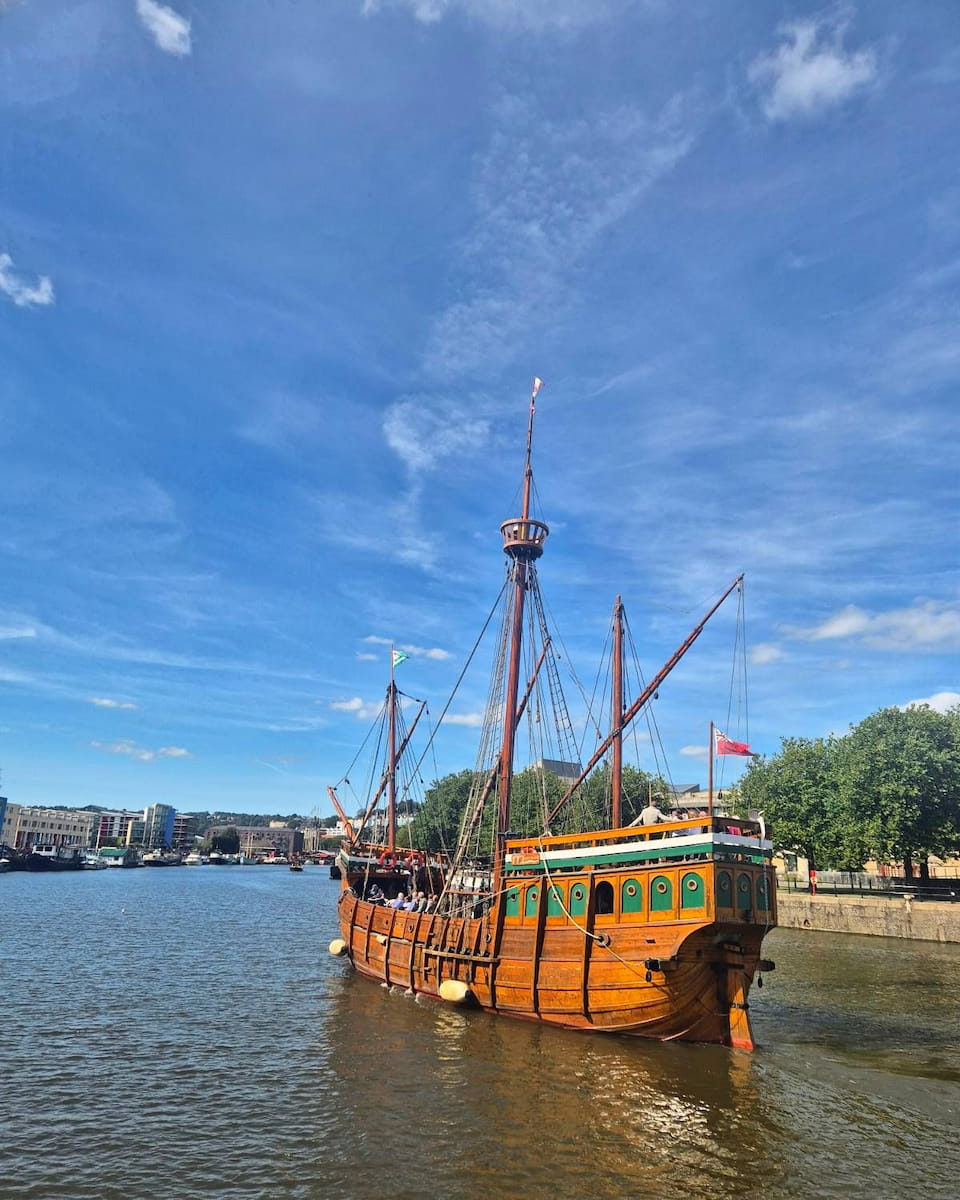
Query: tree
[[797, 794], [898, 772], [436, 825], [227, 841]]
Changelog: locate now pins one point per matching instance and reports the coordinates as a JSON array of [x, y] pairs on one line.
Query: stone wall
[[924, 920]]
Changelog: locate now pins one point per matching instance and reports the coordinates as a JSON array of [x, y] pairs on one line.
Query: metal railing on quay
[[855, 883]]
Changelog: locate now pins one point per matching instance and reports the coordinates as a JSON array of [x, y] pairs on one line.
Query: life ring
[[388, 860], [414, 861]]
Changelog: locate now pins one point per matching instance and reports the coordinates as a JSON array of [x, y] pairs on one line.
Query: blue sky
[[275, 278]]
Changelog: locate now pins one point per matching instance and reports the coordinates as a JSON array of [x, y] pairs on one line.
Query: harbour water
[[183, 1032]]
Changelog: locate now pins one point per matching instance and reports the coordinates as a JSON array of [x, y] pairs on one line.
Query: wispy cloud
[[422, 431], [106, 702], [766, 652], [510, 15], [698, 752], [362, 657], [926, 625], [471, 720], [361, 709], [23, 294], [9, 632], [545, 190], [141, 753], [284, 422], [810, 71], [432, 652], [168, 29]]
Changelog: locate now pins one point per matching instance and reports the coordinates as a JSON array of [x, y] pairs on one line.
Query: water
[[184, 1033]]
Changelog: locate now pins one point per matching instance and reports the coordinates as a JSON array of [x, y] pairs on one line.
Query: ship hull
[[677, 975]]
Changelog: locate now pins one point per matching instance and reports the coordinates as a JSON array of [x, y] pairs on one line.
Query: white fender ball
[[454, 991], [338, 947]]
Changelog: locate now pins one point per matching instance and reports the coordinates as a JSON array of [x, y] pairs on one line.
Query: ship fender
[[455, 991], [338, 947]]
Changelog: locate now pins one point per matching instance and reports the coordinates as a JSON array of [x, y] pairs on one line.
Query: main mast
[[523, 539], [616, 719]]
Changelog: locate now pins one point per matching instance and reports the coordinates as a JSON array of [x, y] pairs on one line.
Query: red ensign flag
[[723, 745]]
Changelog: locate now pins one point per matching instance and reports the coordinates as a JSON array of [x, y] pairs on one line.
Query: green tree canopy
[[889, 790]]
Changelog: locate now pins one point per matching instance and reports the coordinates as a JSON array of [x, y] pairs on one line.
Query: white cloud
[[422, 431], [169, 30], [21, 293], [17, 631], [926, 625], [699, 752], [766, 652], [105, 702], [434, 652], [810, 71], [939, 701], [362, 710], [472, 720], [141, 753], [361, 657], [544, 192], [515, 15]]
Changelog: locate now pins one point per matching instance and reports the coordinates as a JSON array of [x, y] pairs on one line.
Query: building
[[566, 772], [50, 827], [263, 839], [183, 830], [9, 818], [112, 827], [158, 826]]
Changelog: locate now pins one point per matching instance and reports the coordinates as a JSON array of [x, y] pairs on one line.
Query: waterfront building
[[274, 838], [51, 827], [158, 826], [182, 830], [112, 827], [9, 817]]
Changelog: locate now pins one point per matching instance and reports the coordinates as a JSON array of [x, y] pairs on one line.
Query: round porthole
[[534, 893], [631, 889], [743, 885], [661, 886], [693, 883], [577, 893]]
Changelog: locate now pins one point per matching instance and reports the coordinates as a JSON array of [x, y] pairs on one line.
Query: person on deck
[[398, 903], [651, 815]]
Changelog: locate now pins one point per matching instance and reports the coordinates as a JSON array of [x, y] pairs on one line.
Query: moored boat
[[162, 858], [651, 927], [53, 858]]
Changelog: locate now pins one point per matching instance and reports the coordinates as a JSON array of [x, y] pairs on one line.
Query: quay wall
[[924, 920]]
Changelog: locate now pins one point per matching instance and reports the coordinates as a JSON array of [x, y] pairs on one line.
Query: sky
[[275, 279]]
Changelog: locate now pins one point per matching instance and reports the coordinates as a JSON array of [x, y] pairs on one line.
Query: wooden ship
[[651, 930]]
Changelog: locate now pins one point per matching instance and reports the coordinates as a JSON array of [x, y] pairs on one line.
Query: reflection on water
[[184, 1033]]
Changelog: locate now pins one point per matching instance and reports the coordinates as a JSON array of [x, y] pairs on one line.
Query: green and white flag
[[399, 657]]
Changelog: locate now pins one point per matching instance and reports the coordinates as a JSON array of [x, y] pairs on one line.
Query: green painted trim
[[662, 850]]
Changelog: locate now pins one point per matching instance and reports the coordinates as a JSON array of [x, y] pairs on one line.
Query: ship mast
[[523, 539], [391, 759], [616, 715]]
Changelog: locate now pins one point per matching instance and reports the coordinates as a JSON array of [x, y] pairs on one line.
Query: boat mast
[[641, 700], [523, 539], [616, 715], [391, 760]]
